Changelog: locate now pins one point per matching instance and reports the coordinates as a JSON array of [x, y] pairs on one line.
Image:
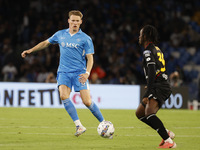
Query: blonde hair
[[76, 13]]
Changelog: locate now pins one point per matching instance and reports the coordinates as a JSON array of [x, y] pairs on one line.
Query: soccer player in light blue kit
[[75, 46]]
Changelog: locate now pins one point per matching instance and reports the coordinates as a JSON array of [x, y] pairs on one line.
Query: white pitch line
[[58, 127], [186, 127], [192, 136], [48, 127], [53, 127]]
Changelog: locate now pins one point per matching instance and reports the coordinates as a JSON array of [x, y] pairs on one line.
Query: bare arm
[[90, 62], [83, 77], [38, 47]]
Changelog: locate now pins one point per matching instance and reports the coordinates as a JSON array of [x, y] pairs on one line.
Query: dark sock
[[144, 119], [157, 124]]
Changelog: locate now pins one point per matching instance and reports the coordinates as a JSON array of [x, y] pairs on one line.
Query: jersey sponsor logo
[[71, 45]]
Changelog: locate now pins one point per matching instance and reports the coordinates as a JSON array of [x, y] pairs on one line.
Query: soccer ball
[[106, 129]]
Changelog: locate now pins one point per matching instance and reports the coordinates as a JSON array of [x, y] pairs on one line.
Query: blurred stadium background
[[114, 27]]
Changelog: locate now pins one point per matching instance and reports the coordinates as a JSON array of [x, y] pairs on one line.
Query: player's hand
[[25, 53], [83, 77]]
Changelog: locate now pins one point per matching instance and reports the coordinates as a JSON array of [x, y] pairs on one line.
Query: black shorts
[[160, 92]]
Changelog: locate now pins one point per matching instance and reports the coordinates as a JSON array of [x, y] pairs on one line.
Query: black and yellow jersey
[[152, 55], [158, 86]]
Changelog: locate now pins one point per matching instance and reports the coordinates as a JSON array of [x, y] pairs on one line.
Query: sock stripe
[[141, 118], [158, 126], [150, 116]]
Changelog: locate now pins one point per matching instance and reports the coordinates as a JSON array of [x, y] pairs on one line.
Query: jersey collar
[[80, 31], [148, 44]]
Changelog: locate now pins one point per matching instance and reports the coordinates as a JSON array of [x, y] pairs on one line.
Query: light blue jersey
[[73, 50]]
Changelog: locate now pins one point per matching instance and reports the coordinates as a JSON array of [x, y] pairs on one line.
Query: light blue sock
[[96, 112], [70, 109]]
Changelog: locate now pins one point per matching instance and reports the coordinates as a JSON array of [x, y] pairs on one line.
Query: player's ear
[[68, 20]]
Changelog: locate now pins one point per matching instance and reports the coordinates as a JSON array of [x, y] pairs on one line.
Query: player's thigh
[[64, 92], [85, 96], [152, 107]]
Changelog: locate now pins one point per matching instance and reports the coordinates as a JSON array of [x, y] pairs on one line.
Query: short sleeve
[[54, 38], [89, 47]]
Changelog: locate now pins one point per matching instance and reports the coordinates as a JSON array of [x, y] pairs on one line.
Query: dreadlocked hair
[[150, 33]]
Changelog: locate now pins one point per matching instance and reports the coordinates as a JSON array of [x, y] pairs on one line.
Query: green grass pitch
[[52, 129]]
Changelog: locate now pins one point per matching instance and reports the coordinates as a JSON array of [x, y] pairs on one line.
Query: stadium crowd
[[114, 27]]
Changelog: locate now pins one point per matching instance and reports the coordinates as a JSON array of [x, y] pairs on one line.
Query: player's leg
[[150, 111], [83, 88], [140, 112], [65, 85], [64, 95], [85, 96]]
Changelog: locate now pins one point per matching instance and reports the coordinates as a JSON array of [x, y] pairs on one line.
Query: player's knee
[[87, 103], [63, 96]]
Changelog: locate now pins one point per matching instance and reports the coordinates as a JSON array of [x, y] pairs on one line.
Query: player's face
[[74, 23], [140, 37]]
